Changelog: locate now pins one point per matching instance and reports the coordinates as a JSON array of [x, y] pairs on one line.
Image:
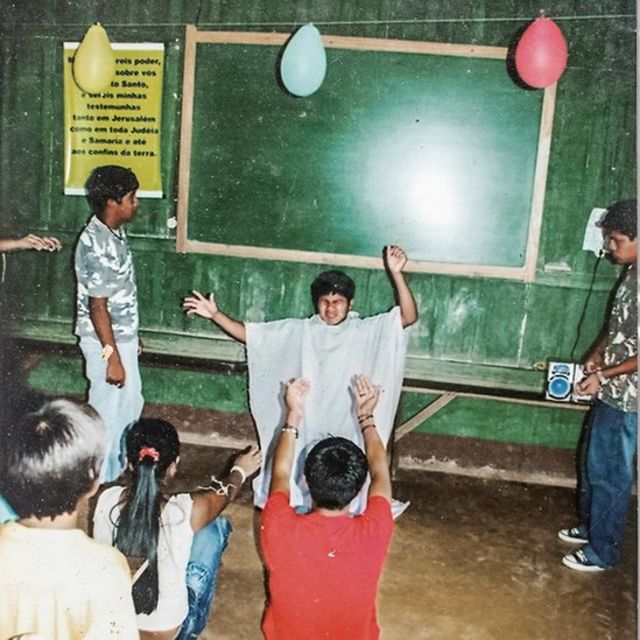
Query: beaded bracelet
[[369, 426], [362, 418]]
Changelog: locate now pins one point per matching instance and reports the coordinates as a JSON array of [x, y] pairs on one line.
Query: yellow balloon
[[94, 64]]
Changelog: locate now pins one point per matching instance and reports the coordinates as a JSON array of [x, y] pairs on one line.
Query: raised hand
[[366, 394], [395, 258], [198, 305], [296, 395]]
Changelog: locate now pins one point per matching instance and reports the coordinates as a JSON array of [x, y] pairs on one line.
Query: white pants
[[118, 408]]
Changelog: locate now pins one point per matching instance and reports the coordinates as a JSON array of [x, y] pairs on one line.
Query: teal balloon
[[304, 62]]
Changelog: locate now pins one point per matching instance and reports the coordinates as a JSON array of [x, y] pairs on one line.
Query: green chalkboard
[[436, 153]]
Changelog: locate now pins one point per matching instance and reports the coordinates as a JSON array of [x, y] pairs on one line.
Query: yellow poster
[[118, 126]]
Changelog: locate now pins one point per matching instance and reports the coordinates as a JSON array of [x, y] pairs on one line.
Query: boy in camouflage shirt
[[612, 377], [107, 307]]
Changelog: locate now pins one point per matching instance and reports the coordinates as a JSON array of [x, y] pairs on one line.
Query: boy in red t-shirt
[[324, 567]]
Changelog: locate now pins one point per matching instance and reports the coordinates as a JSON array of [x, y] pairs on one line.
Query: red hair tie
[[150, 452]]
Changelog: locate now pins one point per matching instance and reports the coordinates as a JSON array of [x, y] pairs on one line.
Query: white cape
[[329, 357]]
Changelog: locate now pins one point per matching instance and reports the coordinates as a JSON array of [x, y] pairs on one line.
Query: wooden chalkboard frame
[[184, 245]]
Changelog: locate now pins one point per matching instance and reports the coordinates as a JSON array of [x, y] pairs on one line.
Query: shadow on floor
[[470, 560]]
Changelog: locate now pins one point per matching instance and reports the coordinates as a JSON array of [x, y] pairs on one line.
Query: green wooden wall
[[471, 329]]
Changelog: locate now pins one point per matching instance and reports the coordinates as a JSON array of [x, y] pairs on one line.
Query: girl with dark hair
[[174, 541]]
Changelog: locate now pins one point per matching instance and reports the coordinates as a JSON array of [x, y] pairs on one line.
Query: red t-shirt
[[323, 571]]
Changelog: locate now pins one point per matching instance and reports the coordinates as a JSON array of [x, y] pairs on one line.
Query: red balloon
[[541, 53]]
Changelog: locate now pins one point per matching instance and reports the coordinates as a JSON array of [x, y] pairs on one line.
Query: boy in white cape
[[329, 348]]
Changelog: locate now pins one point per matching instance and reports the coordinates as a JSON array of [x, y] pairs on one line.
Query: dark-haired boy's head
[[109, 182], [335, 470], [332, 294], [332, 282], [51, 458], [623, 217], [620, 228]]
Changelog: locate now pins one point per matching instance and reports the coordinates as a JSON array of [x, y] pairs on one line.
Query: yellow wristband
[[107, 352]]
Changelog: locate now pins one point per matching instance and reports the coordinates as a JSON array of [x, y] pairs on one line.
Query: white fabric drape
[[329, 357]]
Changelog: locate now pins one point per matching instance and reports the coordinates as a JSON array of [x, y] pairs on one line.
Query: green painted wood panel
[[506, 422], [217, 391], [465, 417]]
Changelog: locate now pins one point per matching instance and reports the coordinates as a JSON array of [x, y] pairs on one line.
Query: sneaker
[[573, 536], [578, 561], [398, 508]]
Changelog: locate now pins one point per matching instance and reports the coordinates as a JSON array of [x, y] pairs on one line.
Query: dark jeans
[[202, 574], [606, 481]]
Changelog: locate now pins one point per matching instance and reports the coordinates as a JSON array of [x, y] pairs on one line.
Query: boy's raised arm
[[285, 449], [199, 305], [367, 396], [395, 259]]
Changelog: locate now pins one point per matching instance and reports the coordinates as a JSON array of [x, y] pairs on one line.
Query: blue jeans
[[606, 481], [118, 408], [202, 575]]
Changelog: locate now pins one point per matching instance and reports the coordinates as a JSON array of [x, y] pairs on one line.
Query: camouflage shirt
[[621, 392], [104, 269]]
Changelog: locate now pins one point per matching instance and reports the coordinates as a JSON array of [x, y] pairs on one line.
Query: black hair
[[109, 182], [152, 445], [51, 457], [622, 217], [332, 282], [335, 469]]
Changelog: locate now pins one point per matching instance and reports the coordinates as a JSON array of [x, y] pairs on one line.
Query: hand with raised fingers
[[199, 305], [366, 394], [296, 395]]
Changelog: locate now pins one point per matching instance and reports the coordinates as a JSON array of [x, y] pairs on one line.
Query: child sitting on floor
[[177, 540], [54, 580]]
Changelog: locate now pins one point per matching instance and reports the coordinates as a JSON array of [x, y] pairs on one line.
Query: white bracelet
[[240, 470], [600, 376], [288, 427]]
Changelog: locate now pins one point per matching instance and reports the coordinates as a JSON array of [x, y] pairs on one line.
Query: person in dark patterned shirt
[[611, 437]]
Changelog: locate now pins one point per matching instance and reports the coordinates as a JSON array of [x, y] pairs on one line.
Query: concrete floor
[[470, 560]]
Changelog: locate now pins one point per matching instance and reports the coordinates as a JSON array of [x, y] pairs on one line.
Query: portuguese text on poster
[[121, 125]]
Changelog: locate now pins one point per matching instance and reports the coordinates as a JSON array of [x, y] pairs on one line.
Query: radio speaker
[[562, 378]]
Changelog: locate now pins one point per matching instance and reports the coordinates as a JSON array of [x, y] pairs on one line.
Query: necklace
[[116, 235]]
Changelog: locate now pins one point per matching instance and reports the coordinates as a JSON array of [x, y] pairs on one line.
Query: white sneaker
[[573, 535], [578, 561]]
